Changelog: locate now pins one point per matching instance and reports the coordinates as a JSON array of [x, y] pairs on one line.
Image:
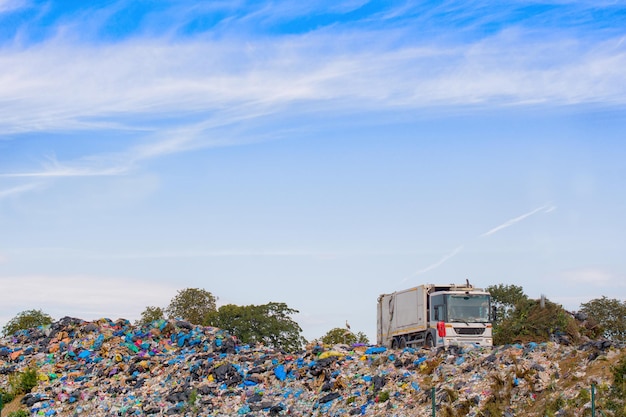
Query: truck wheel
[[402, 343], [394, 343], [429, 341]]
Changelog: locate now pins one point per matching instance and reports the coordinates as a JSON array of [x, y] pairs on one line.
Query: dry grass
[[14, 405]]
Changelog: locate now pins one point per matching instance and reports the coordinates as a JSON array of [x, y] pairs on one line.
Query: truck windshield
[[469, 308]]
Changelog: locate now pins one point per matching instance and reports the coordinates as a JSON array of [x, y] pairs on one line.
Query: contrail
[[440, 262], [547, 208]]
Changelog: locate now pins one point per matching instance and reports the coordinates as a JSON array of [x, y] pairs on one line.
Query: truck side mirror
[[494, 313]]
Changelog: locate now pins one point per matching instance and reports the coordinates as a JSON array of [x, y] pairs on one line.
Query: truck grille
[[469, 331]]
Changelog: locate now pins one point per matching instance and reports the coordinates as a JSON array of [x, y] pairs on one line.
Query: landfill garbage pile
[[173, 368]]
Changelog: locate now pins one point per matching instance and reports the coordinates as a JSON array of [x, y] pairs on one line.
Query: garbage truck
[[434, 315]]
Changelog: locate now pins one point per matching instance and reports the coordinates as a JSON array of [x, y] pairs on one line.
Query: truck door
[[437, 309]]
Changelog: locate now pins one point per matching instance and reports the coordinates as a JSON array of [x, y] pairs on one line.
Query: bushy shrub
[[536, 321], [19, 383], [28, 380], [345, 336], [617, 400], [6, 397], [22, 382]]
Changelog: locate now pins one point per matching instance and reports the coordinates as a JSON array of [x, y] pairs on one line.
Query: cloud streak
[[225, 253], [17, 190], [168, 97], [545, 208], [592, 276], [177, 90], [92, 85], [86, 297], [440, 262], [11, 5]]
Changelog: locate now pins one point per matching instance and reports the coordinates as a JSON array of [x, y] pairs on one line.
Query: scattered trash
[[106, 368]]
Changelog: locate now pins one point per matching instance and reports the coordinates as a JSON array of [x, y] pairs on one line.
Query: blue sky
[[317, 154]]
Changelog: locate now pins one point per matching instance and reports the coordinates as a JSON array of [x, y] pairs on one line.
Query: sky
[[316, 153]]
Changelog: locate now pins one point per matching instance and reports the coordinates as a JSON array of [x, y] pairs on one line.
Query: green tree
[[536, 321], [238, 320], [362, 338], [505, 298], [339, 335], [610, 315], [191, 304], [26, 320], [149, 315], [270, 324]]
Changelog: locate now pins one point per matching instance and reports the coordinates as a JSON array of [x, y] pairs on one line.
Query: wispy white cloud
[[17, 190], [220, 254], [61, 253], [573, 303], [75, 169], [87, 85], [596, 282], [175, 93], [12, 5], [598, 277], [169, 140], [546, 209], [86, 297]]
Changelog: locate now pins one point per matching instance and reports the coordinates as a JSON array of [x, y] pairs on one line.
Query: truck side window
[[439, 312], [437, 308]]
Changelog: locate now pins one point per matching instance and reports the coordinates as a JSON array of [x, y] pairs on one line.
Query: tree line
[[270, 324], [518, 319], [522, 319]]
